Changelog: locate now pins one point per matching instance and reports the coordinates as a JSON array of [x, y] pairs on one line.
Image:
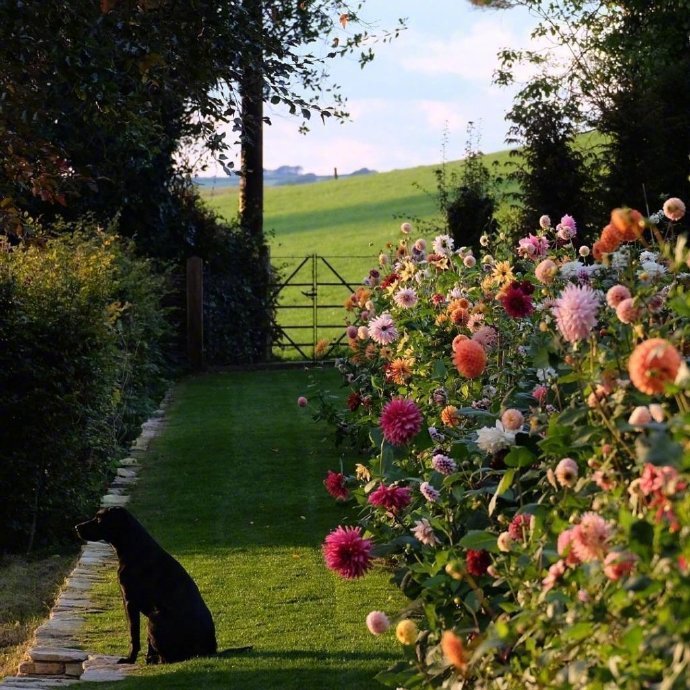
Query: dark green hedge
[[81, 364]]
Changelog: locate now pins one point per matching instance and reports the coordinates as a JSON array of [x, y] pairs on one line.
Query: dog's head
[[107, 525]]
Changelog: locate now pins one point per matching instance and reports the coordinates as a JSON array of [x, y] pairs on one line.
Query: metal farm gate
[[311, 294]]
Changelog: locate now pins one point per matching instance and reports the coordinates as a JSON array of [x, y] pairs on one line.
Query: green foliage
[[622, 68], [552, 174], [239, 307], [81, 363], [99, 98]]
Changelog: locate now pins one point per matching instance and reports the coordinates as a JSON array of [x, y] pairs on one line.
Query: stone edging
[[53, 661]]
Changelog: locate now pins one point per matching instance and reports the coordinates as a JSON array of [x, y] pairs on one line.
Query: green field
[[348, 221]]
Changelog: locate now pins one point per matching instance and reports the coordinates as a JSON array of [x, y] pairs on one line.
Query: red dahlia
[[335, 485], [477, 562], [516, 302]]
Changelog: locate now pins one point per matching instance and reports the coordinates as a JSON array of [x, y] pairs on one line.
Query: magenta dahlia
[[392, 498], [520, 525], [400, 421], [335, 485], [347, 553]]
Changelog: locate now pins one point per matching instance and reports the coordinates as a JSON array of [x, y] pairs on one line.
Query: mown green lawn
[[234, 490]]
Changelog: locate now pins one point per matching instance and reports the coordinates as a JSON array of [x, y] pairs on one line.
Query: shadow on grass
[[339, 671]]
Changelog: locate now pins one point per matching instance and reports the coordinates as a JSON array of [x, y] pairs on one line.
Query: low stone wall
[[53, 661]]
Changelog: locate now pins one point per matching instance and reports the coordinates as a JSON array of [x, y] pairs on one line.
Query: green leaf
[[520, 457], [503, 486], [439, 369], [479, 539], [633, 639], [641, 538], [578, 631]]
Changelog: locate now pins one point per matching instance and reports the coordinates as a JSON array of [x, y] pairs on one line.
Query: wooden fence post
[[195, 312]]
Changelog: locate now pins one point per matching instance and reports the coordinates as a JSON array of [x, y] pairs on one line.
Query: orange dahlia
[[450, 416], [469, 358], [653, 364], [610, 239], [399, 370], [454, 650], [628, 222]]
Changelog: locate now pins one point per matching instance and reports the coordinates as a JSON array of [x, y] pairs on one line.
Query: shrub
[[544, 535], [81, 363]]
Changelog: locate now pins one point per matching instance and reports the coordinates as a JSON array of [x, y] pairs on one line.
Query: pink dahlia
[[347, 553], [565, 547], [626, 311], [335, 485], [512, 419], [429, 492], [616, 295], [533, 247], [546, 271], [377, 622], [590, 537], [659, 480], [674, 209], [520, 526], [566, 472], [486, 336], [401, 421], [405, 298], [477, 562], [576, 312], [392, 498], [382, 329], [424, 532], [556, 572]]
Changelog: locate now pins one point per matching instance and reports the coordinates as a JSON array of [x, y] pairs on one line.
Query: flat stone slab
[[108, 501], [29, 683], [64, 654], [102, 668], [126, 472]]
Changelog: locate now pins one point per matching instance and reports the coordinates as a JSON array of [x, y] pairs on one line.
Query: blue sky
[[438, 71]]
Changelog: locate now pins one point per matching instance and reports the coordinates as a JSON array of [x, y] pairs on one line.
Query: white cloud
[[439, 114], [471, 55]]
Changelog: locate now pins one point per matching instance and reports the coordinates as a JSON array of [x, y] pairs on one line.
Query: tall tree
[[625, 65]]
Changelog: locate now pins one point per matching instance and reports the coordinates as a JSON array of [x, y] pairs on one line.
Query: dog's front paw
[[127, 659]]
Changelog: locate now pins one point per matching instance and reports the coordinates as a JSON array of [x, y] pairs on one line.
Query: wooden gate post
[[195, 312]]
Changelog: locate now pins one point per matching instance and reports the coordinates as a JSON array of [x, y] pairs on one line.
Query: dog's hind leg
[[152, 656]]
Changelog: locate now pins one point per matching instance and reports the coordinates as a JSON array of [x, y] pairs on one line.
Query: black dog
[[155, 584]]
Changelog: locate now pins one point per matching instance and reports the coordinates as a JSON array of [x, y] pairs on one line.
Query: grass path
[[233, 489]]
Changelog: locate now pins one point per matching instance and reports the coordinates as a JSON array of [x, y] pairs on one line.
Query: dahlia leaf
[[503, 486], [479, 539]]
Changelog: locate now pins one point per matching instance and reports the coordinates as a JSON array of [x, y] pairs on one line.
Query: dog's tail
[[232, 651]]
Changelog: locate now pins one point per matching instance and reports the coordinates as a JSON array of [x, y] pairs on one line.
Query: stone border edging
[[53, 659]]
